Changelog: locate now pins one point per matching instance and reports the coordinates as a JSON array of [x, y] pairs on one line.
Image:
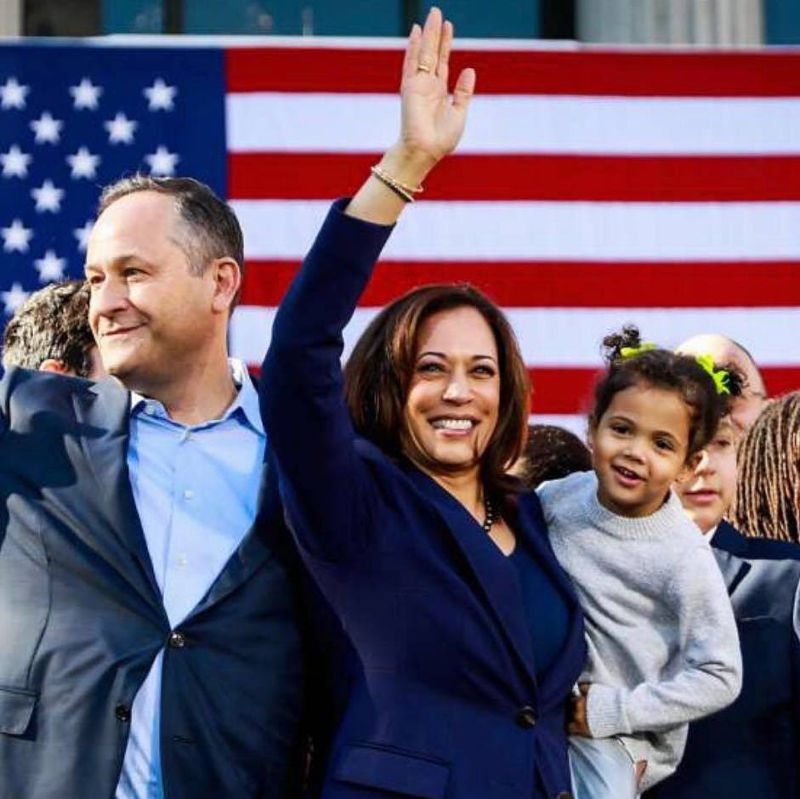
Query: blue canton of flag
[[73, 119]]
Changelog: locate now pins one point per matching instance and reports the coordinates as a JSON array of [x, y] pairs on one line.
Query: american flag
[[592, 188]]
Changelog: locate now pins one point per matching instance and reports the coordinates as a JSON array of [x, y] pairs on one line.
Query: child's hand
[[577, 724]]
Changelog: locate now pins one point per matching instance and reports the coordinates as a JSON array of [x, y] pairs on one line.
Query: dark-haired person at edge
[[465, 636], [767, 501], [751, 747], [662, 641], [50, 331], [551, 452]]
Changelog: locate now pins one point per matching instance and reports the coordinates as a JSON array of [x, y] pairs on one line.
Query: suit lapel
[[533, 530], [256, 547], [488, 565], [729, 547], [104, 410]]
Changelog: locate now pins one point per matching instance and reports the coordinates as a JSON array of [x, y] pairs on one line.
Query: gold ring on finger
[[423, 68]]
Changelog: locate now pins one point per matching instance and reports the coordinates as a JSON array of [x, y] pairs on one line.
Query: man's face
[[709, 490], [150, 315]]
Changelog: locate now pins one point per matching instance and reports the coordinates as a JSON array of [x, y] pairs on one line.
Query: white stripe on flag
[[263, 122], [571, 338], [497, 231]]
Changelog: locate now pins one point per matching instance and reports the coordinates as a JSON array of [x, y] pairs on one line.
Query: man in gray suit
[[149, 626]]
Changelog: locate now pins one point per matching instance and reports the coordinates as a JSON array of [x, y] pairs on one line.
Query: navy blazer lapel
[[488, 565], [729, 547], [533, 529], [258, 544], [104, 409]]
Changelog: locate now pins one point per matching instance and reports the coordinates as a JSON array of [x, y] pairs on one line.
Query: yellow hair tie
[[720, 377], [632, 352]]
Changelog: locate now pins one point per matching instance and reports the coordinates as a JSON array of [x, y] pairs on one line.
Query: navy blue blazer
[[81, 619], [441, 697], [752, 747]]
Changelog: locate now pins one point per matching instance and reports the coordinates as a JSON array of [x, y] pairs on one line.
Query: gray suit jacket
[[81, 619], [752, 748]]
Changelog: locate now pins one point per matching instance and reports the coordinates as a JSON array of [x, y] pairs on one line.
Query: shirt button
[[183, 561], [526, 717], [122, 712], [188, 494], [176, 640]]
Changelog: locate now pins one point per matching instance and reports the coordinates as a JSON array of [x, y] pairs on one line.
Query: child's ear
[[687, 470]]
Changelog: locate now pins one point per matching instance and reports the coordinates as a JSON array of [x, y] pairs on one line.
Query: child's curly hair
[[667, 370]]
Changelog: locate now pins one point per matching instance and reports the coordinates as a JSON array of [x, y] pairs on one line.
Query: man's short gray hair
[[212, 229]]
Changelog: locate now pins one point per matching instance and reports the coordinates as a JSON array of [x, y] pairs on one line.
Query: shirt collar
[[245, 403]]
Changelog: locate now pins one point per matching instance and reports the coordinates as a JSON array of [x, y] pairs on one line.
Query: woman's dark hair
[[767, 501], [379, 372], [667, 370]]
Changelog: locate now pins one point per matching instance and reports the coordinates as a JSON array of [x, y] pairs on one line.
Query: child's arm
[[711, 675]]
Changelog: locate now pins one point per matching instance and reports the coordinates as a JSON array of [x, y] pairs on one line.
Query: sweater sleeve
[[322, 478], [710, 675]]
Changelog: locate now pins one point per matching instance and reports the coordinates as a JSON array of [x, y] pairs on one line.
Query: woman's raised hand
[[432, 123]]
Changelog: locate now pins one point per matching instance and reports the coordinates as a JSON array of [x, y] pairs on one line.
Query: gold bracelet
[[400, 189]]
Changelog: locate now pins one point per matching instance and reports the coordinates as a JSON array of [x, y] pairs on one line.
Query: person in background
[[722, 349], [465, 636], [750, 748], [551, 452], [767, 501], [662, 641], [50, 331]]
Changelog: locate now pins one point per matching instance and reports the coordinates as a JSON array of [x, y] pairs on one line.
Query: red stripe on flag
[[567, 284], [312, 176], [562, 390], [577, 72]]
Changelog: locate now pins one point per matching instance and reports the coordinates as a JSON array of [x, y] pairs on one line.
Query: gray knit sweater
[[662, 642]]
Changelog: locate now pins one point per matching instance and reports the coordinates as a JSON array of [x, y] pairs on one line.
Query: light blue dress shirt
[[196, 491]]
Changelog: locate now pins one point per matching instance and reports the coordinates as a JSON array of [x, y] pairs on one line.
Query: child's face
[[639, 449], [708, 491]]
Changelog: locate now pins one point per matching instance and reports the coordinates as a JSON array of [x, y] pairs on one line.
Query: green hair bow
[[632, 352], [720, 376]]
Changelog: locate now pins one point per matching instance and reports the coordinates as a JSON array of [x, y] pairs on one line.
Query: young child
[[662, 642]]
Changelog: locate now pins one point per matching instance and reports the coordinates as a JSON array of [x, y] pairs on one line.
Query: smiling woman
[[460, 634]]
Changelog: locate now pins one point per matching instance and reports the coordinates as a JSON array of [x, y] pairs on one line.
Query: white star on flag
[[46, 128], [162, 161], [14, 298], [12, 94], [85, 94], [120, 129], [83, 164], [160, 96], [82, 235], [15, 162], [16, 237], [48, 197], [51, 267]]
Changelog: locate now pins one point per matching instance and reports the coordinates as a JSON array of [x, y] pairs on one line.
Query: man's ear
[[227, 281], [54, 365]]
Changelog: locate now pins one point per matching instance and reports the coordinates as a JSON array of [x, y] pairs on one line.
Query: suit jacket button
[[122, 712], [564, 795], [177, 640], [526, 717]]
